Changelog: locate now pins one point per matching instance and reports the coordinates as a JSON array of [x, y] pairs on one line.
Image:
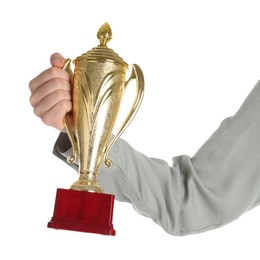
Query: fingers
[[47, 75], [57, 60], [55, 115], [51, 100], [51, 93], [46, 89]]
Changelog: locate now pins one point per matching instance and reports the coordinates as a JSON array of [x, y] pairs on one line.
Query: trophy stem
[[87, 182]]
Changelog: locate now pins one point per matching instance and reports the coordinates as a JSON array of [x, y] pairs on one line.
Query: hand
[[51, 93]]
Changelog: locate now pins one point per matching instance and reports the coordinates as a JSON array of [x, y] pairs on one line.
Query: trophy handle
[[136, 74], [73, 157]]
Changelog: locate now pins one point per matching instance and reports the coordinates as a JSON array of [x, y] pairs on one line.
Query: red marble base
[[83, 211]]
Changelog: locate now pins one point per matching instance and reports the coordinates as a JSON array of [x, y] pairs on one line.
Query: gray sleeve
[[214, 187]]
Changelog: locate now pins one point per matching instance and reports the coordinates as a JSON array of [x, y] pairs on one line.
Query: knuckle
[[31, 85], [65, 105], [61, 84], [31, 100], [53, 72], [60, 95], [46, 120], [63, 95], [36, 111]]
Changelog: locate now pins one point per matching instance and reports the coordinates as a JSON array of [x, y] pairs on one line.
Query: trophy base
[[83, 211]]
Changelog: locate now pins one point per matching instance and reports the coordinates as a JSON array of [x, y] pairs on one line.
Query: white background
[[200, 60]]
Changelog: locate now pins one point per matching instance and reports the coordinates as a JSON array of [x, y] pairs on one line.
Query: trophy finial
[[104, 34]]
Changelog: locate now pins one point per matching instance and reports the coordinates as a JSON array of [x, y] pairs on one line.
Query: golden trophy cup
[[99, 81]]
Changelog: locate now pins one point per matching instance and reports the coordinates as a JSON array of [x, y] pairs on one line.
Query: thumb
[[57, 60]]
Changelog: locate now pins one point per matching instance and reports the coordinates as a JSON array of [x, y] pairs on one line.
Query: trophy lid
[[102, 53]]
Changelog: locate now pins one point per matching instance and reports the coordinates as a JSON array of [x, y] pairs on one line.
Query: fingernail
[[56, 61]]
